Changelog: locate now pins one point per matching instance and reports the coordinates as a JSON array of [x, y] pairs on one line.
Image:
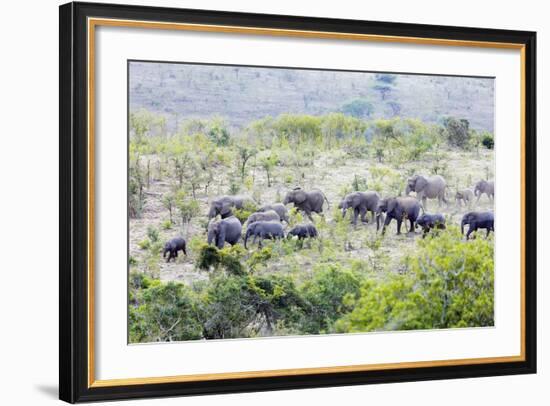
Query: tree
[[163, 312], [386, 78], [188, 209], [359, 108], [169, 201], [268, 163], [457, 131], [383, 90], [245, 153]]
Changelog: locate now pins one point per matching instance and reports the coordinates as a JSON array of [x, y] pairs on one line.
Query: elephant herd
[[267, 222]]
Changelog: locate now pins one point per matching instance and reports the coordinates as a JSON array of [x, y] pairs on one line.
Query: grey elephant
[[269, 215], [487, 187], [477, 220], [303, 231], [280, 208], [429, 222], [172, 247], [360, 202], [223, 205], [431, 187], [308, 202], [264, 229], [465, 196], [223, 231], [398, 208]]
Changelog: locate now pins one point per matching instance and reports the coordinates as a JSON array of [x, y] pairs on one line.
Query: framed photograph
[[257, 202]]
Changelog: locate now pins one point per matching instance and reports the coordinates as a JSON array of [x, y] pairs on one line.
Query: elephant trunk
[[379, 216], [462, 224], [408, 190], [210, 237], [212, 212], [165, 251]]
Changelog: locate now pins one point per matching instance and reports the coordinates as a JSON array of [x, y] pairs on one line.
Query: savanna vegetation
[[348, 279]]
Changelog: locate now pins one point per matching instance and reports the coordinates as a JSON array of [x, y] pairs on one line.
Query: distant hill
[[243, 94]]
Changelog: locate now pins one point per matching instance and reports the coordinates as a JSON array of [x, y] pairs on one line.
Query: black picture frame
[[73, 255]]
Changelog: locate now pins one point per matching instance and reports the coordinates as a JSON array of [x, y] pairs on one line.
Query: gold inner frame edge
[[93, 22]]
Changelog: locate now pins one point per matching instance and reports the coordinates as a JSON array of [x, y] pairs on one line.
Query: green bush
[[457, 131], [325, 294], [449, 284], [488, 141], [163, 312]]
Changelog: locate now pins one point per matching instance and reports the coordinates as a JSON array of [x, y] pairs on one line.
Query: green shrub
[[449, 284], [164, 312], [457, 131], [325, 294], [144, 244], [488, 141], [152, 233]]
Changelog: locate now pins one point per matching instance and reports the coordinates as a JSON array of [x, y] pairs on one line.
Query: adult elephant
[[264, 229], [279, 208], [223, 231], [487, 187], [223, 205], [360, 202], [477, 220], [398, 208], [308, 202], [431, 187], [270, 215]]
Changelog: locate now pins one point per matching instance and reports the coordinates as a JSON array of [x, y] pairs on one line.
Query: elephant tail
[[422, 208], [326, 200]]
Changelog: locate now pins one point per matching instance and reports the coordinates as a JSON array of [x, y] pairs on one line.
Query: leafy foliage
[[449, 283]]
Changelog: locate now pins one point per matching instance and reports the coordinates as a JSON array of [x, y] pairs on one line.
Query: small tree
[[268, 163], [245, 153], [359, 108], [169, 202], [187, 209], [457, 131]]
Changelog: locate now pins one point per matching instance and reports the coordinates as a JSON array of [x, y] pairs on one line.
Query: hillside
[[242, 94]]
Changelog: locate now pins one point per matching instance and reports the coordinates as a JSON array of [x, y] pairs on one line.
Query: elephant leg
[[412, 226], [471, 229], [355, 214], [487, 234], [399, 221], [308, 214], [363, 212]]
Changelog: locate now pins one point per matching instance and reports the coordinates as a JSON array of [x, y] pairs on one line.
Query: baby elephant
[[269, 215], [303, 231], [264, 229], [429, 222], [172, 247], [477, 220], [465, 196]]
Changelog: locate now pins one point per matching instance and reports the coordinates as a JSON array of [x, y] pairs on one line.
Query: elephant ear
[[299, 196], [421, 183], [225, 209], [355, 200], [392, 203]]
